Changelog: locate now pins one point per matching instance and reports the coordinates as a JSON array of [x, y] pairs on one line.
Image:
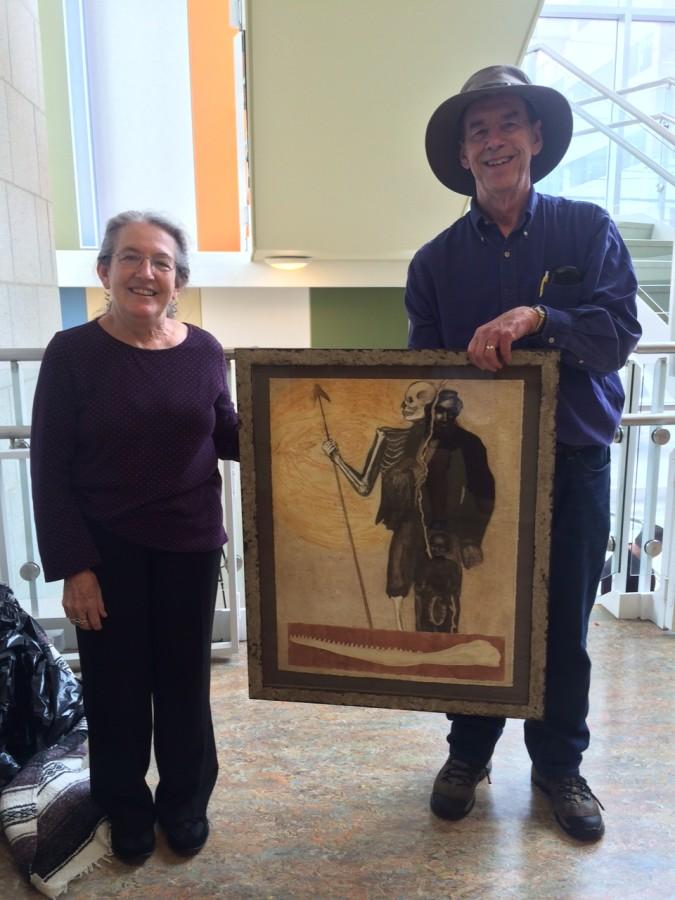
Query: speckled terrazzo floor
[[331, 802]]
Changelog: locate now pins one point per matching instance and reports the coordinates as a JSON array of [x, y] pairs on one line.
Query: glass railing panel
[[641, 490], [651, 46], [17, 388], [653, 99], [600, 108], [18, 538], [638, 190], [653, 145], [20, 564], [590, 44], [583, 173], [628, 149], [7, 396], [598, 170]]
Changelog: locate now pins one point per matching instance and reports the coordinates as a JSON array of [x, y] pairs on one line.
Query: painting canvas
[[396, 513]]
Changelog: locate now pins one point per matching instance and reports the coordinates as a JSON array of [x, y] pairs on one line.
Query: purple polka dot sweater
[[128, 438]]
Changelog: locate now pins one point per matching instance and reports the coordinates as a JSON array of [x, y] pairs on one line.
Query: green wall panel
[[57, 109], [358, 317]]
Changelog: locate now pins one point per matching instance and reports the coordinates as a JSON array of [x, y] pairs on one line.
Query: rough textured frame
[[259, 366]]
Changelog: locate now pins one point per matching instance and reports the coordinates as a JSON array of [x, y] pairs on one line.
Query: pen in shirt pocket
[[565, 275]]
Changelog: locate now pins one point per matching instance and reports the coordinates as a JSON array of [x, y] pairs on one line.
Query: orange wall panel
[[211, 39]]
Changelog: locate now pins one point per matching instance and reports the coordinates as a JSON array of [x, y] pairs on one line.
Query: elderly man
[[526, 270]]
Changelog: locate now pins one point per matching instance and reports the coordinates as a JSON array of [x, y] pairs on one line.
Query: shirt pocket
[[562, 296]]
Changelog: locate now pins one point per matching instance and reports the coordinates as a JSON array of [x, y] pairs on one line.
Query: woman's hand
[[82, 600]]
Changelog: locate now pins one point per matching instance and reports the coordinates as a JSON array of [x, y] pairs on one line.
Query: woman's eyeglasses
[[131, 260]]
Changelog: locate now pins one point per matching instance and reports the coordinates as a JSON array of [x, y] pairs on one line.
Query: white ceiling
[[339, 95]]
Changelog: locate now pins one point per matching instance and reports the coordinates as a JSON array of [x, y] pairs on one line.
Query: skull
[[418, 395]]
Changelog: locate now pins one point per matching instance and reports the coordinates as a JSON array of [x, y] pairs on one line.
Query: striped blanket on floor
[[54, 829]]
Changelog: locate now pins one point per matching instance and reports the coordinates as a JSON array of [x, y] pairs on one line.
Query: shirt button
[[524, 234], [507, 253], [581, 362], [551, 340]]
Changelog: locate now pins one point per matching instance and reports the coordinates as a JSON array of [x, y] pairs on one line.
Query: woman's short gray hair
[[151, 218]]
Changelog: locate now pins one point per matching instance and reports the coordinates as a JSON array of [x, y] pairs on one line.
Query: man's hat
[[443, 131]]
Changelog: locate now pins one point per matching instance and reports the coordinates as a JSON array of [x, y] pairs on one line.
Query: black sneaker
[[454, 792], [576, 807], [131, 843], [187, 837]]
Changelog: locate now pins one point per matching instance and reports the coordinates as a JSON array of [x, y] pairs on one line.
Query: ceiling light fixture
[[288, 263]]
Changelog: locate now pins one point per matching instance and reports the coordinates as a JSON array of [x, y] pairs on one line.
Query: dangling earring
[[172, 308], [108, 301]]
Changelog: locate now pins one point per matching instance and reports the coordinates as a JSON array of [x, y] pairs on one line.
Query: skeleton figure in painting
[[395, 456], [458, 496], [428, 502]]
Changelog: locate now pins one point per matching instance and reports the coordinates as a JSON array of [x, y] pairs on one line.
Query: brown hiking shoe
[[576, 807], [454, 792]]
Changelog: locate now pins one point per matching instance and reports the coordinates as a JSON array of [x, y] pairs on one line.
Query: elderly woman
[[131, 414]]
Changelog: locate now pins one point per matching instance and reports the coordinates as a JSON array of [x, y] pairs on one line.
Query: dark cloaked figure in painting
[[458, 496]]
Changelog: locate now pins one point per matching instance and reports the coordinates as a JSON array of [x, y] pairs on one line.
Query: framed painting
[[396, 516]]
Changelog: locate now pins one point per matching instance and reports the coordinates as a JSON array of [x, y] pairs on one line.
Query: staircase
[[653, 261]]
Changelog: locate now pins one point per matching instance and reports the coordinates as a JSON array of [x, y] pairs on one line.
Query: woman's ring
[[489, 346], [78, 621]]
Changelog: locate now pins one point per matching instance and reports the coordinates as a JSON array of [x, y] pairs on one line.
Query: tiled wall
[[29, 302]]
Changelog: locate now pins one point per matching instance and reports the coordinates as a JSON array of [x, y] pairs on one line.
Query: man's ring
[[78, 621], [489, 346]]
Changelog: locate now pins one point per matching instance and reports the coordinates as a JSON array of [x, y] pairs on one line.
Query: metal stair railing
[[633, 89], [606, 92], [622, 123], [649, 122]]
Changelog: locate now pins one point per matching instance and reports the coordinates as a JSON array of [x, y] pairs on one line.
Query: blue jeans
[[580, 529]]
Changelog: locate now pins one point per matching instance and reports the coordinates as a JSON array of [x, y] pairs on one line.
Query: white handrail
[[21, 354], [647, 121]]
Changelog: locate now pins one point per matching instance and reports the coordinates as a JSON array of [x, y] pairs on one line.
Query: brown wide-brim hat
[[443, 131]]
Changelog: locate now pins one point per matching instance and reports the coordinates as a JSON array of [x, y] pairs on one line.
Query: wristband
[[541, 312]]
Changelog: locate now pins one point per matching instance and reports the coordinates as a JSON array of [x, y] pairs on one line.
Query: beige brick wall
[[29, 300]]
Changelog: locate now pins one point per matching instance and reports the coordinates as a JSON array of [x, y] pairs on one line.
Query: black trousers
[[148, 672], [580, 530]]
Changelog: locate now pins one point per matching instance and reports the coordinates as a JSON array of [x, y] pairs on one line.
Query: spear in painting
[[320, 395]]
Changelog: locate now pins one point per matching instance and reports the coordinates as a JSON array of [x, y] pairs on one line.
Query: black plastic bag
[[40, 698]]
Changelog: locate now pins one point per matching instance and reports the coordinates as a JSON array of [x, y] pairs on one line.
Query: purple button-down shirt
[[470, 274]]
